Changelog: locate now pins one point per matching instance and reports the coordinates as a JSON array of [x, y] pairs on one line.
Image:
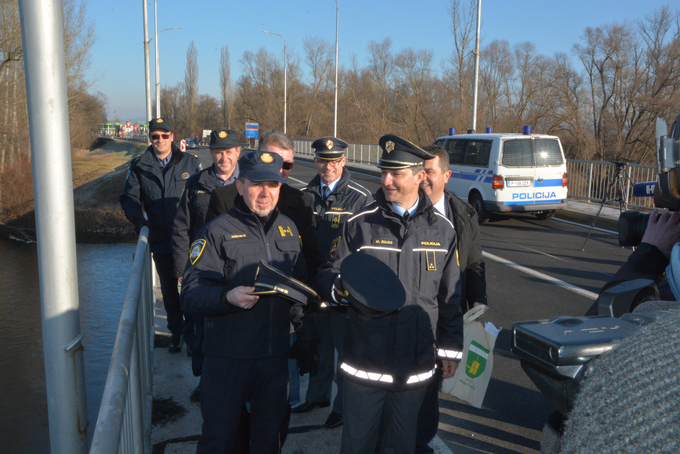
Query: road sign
[[182, 145], [251, 130]]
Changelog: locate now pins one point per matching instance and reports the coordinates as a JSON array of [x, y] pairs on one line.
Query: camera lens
[[632, 226]]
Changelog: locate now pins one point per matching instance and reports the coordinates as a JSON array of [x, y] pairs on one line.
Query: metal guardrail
[[124, 421], [592, 180]]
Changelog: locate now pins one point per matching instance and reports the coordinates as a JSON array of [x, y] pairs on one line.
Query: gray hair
[[276, 138]]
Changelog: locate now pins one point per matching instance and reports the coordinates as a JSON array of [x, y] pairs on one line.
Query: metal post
[[335, 115], [158, 83], [147, 70], [590, 181], [42, 34], [476, 84]]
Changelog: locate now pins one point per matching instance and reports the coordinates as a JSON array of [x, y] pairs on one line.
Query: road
[[535, 270]]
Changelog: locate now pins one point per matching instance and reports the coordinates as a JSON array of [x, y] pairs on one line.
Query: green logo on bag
[[476, 360]]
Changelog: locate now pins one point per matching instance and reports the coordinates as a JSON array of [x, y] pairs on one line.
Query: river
[[103, 273]]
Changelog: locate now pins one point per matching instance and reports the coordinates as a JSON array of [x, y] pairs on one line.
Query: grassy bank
[[98, 179]]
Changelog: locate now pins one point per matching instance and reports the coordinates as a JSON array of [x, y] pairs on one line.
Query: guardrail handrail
[[124, 421]]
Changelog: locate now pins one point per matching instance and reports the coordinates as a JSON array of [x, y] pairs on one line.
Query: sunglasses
[[158, 136], [287, 165]]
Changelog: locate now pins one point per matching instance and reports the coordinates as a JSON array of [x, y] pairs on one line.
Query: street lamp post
[[335, 115], [285, 82], [156, 32]]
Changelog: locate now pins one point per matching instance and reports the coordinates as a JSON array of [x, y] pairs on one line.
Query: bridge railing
[[124, 421], [593, 180], [588, 180]]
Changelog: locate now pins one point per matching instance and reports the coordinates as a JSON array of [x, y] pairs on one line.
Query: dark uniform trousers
[[364, 404], [227, 384], [176, 319], [331, 327]]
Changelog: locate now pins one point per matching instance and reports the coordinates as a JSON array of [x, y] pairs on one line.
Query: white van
[[507, 172]]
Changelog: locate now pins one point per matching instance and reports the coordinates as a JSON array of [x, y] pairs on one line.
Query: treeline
[[86, 110], [601, 96]]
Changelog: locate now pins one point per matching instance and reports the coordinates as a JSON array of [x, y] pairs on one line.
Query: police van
[[507, 172]]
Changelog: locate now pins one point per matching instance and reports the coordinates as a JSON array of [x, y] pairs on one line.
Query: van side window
[[477, 152], [517, 153], [455, 148], [547, 152]]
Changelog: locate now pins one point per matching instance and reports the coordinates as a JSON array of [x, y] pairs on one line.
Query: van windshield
[[531, 152]]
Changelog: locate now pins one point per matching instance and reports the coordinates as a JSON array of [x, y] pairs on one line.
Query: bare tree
[[225, 86], [319, 58], [191, 88]]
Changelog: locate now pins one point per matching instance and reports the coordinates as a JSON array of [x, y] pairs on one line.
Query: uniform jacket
[[331, 213], [224, 256], [472, 270], [422, 252], [294, 204], [192, 214], [156, 191]]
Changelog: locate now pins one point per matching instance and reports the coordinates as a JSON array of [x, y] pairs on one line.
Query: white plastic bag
[[472, 375]]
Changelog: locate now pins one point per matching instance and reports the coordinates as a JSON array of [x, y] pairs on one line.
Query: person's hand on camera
[[663, 230]]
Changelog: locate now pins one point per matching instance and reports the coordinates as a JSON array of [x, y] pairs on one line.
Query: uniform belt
[[385, 378]]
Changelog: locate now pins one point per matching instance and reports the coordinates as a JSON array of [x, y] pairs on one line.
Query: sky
[[118, 53]]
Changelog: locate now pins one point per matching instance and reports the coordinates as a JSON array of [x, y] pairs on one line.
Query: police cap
[[261, 166], [329, 148], [371, 286], [399, 153], [224, 138], [270, 281], [160, 123]]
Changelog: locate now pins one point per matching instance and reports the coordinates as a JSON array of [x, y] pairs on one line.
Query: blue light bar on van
[[644, 189], [527, 129], [452, 131], [488, 129]]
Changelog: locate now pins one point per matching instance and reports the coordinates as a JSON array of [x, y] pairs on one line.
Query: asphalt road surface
[[535, 270]]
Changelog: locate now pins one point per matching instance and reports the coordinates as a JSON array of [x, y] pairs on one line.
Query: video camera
[[666, 192]]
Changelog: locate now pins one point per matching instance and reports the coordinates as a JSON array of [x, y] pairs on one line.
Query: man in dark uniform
[[154, 185], [336, 199], [246, 336], [225, 150], [472, 272], [389, 359], [292, 202]]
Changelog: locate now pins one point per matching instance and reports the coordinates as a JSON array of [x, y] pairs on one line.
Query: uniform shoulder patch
[[196, 250]]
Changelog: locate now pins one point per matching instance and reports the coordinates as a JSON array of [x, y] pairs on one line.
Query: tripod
[[618, 182]]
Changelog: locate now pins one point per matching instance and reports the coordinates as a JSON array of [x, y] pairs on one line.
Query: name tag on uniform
[[237, 236], [376, 241]]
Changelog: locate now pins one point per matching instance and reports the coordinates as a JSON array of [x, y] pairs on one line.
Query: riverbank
[[98, 180]]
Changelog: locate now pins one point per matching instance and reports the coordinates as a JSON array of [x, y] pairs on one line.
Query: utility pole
[[335, 115], [42, 34], [147, 70], [476, 88]]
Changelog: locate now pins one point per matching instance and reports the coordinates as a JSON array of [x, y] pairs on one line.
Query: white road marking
[[545, 277], [586, 226]]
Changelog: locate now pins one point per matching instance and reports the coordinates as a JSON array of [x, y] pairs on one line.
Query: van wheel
[[478, 204], [543, 215]]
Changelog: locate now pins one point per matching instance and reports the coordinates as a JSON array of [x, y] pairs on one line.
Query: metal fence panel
[[124, 421]]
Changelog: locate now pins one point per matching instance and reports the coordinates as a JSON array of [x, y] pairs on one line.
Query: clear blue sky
[[118, 54]]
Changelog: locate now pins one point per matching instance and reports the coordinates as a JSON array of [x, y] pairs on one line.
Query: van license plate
[[519, 183]]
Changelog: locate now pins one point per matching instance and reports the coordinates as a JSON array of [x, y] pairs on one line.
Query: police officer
[[472, 272], [154, 185], [225, 150], [389, 360], [336, 199], [246, 336]]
